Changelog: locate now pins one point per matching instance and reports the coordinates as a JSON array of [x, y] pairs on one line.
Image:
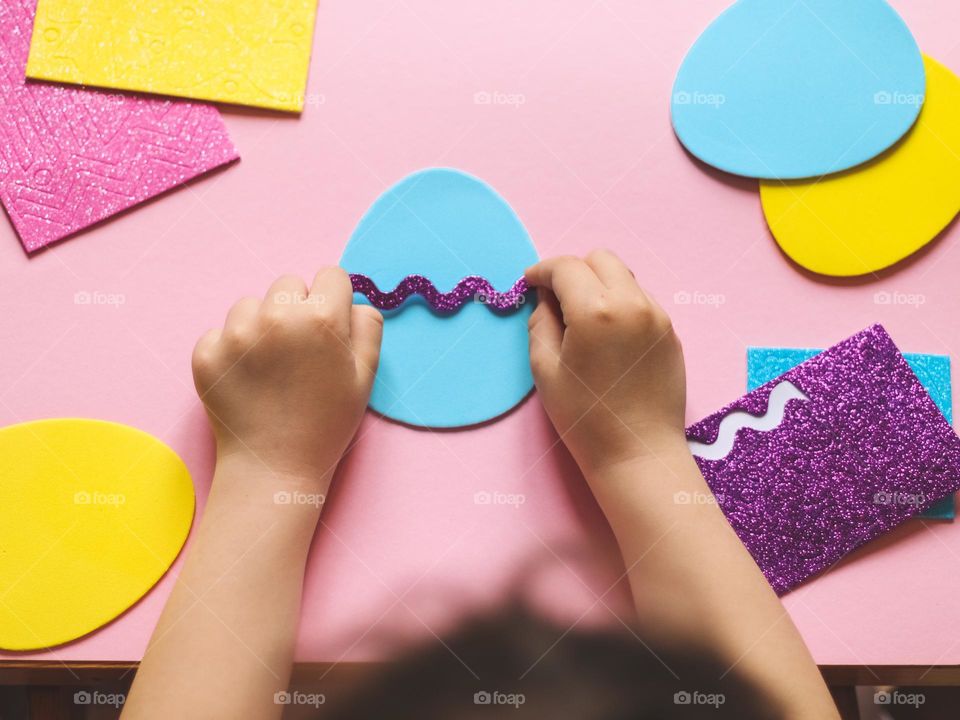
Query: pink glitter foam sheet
[[71, 158], [859, 449]]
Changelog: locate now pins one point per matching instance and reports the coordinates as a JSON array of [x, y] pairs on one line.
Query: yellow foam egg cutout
[[879, 213], [92, 514]]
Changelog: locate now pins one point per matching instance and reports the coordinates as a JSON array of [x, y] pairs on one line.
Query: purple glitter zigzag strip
[[472, 287], [867, 450]]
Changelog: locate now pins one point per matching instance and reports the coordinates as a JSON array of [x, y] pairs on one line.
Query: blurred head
[[515, 664]]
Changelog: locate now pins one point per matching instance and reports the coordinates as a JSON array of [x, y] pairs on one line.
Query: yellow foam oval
[[877, 214], [92, 514]]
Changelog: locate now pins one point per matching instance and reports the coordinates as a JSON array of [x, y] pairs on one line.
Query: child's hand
[[285, 384], [608, 366], [286, 381], [609, 369]]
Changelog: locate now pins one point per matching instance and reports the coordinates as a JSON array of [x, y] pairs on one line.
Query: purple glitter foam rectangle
[[866, 450]]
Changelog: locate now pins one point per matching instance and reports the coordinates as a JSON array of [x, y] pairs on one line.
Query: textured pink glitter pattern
[[71, 158], [868, 450], [471, 288]]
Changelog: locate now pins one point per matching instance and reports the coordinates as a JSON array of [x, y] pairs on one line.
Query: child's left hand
[[286, 381]]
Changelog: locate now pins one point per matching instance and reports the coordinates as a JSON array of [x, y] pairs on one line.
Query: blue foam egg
[[786, 89], [445, 370]]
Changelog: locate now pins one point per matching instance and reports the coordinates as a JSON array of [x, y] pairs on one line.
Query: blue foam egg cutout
[[445, 370], [787, 89]]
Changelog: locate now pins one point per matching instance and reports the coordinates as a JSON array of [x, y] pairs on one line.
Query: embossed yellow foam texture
[[248, 53]]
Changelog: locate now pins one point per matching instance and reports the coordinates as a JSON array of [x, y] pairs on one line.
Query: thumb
[[546, 333], [366, 333]]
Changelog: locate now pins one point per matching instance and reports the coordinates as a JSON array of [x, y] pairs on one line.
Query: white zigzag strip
[[732, 423]]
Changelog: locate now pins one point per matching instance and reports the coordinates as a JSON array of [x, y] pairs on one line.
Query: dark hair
[[515, 664]]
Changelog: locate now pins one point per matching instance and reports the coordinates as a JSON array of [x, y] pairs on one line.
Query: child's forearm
[[693, 581], [609, 369], [224, 644], [285, 383]]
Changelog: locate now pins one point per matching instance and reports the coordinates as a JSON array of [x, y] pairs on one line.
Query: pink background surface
[[588, 159]]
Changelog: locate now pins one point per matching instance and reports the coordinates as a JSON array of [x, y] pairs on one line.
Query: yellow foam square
[[254, 52]]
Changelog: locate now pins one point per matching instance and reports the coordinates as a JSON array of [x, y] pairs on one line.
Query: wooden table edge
[[47, 672]]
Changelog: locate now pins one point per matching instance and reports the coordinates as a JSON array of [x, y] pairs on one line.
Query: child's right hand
[[609, 370], [607, 364]]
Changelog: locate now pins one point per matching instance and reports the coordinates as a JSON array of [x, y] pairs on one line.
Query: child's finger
[[205, 347], [366, 333], [546, 330], [333, 293], [286, 290], [333, 284], [242, 315], [573, 281], [611, 270]]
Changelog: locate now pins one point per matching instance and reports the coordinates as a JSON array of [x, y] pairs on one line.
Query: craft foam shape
[[92, 514], [873, 216], [865, 451], [71, 158], [786, 89], [933, 372], [731, 424], [470, 289], [440, 369], [247, 53]]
